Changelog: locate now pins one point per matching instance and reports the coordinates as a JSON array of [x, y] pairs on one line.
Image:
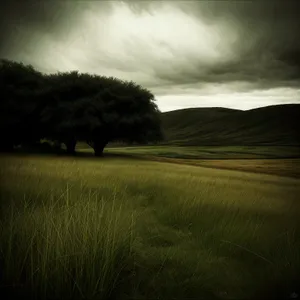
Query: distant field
[[121, 228], [205, 152], [212, 152], [277, 160]]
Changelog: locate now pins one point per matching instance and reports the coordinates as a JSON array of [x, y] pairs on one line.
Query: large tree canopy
[[20, 87], [70, 107]]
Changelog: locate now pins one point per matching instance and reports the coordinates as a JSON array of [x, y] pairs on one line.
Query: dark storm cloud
[[204, 49], [266, 53]]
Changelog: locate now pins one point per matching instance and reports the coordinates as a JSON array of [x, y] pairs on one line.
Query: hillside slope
[[271, 125]]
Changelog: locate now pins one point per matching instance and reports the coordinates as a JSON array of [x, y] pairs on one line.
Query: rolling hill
[[271, 125]]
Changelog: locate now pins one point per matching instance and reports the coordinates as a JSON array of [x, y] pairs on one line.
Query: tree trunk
[[57, 146], [99, 147], [71, 144]]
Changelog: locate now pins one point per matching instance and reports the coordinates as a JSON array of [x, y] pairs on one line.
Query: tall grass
[[66, 247], [126, 229]]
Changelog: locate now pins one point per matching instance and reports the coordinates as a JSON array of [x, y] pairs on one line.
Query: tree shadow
[[28, 151]]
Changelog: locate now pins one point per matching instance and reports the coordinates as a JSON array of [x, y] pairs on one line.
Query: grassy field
[[124, 228], [210, 152], [276, 160]]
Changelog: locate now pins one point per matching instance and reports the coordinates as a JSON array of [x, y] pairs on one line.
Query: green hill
[[271, 125]]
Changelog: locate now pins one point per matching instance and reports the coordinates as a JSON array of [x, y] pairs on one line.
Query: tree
[[19, 88], [98, 110], [61, 117], [125, 112], [72, 106]]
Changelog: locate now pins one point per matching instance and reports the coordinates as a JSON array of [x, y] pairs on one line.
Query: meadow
[[208, 152], [205, 152], [274, 160], [129, 228]]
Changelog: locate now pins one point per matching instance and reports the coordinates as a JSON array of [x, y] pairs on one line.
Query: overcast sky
[[232, 54]]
